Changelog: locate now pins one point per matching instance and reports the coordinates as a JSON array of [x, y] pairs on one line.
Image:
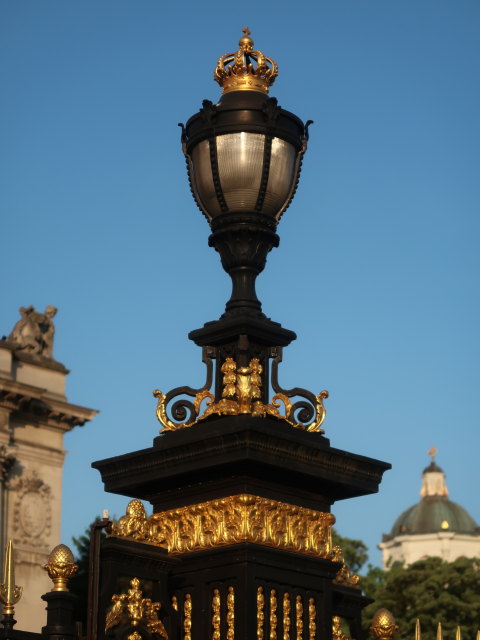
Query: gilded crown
[[246, 69]]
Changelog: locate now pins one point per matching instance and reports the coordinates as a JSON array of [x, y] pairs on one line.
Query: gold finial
[[10, 594], [236, 71], [432, 452], [60, 567], [383, 625], [337, 633], [133, 608]]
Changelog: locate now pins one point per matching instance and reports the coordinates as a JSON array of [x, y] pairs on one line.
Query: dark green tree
[[78, 585], [431, 590]]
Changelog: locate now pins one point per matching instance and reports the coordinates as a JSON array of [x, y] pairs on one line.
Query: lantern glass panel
[[202, 179], [281, 176], [240, 163]]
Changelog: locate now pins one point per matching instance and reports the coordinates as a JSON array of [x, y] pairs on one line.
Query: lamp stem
[[243, 241], [243, 296]]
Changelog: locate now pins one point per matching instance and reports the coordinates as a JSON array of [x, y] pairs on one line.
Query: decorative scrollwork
[[345, 576], [184, 412], [307, 414], [337, 632], [241, 394], [130, 608]]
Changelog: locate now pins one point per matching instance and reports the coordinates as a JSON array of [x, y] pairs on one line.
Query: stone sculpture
[[34, 332]]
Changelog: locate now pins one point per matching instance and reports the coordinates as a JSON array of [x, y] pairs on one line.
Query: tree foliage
[[79, 583], [431, 590]]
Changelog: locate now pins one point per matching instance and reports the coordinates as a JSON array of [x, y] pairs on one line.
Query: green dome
[[432, 514]]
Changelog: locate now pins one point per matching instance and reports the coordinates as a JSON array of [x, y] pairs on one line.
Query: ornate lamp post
[[239, 543], [244, 156]]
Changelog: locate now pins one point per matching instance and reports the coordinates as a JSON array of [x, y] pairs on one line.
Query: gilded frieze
[[230, 520]]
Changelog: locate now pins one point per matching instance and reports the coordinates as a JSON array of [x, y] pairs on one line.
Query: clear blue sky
[[378, 266]]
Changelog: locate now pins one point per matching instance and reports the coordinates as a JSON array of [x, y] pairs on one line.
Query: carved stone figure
[[34, 332]]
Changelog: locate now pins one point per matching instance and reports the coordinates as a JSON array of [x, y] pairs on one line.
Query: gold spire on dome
[[433, 479], [247, 69]]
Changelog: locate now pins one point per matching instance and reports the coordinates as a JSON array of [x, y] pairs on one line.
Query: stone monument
[[34, 416]]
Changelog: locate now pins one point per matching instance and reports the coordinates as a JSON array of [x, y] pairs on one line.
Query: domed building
[[435, 526]]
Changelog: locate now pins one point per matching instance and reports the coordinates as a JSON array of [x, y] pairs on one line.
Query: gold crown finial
[[432, 452], [60, 567], [246, 69]]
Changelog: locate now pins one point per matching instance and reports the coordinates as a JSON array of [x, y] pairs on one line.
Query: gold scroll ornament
[[240, 395], [344, 577], [231, 520], [337, 632], [131, 608]]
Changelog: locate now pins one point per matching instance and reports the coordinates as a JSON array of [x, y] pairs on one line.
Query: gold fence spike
[[478, 634], [439, 631], [458, 634], [418, 631], [10, 594]]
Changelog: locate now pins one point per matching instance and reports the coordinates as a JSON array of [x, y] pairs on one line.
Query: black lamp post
[[244, 157], [239, 544]]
